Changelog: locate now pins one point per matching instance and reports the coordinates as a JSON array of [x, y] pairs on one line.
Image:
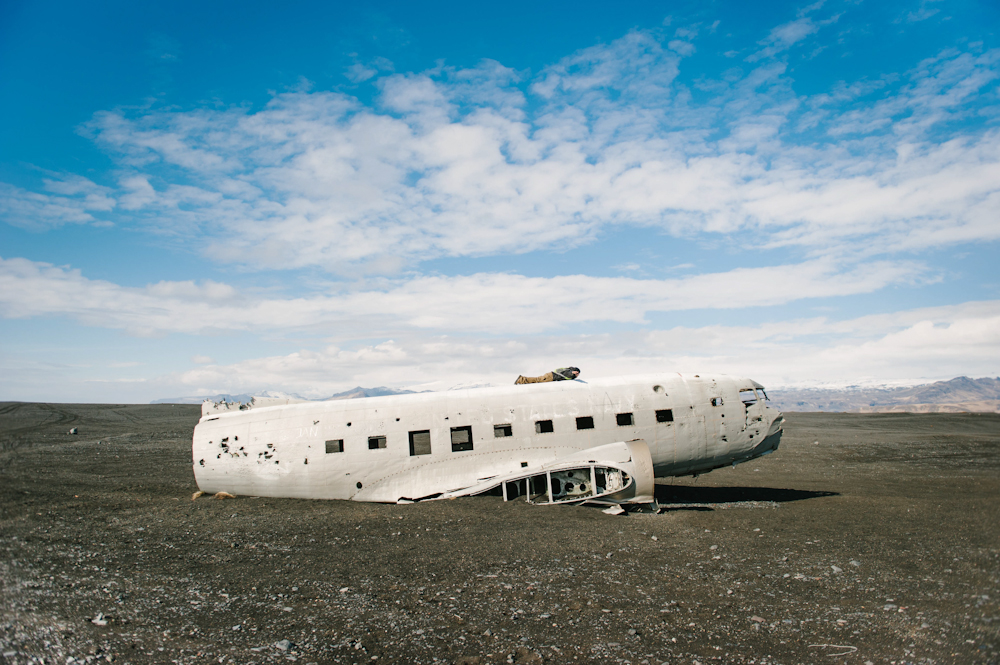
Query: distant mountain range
[[355, 393], [955, 396]]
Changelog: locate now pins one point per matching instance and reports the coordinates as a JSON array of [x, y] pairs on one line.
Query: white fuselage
[[418, 445]]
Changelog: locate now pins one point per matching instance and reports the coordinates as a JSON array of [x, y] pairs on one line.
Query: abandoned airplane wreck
[[603, 441]]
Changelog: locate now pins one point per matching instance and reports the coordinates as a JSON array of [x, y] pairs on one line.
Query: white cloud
[[479, 162], [486, 303], [908, 347], [784, 36], [358, 72], [487, 160], [917, 345], [72, 199], [681, 46], [922, 14]]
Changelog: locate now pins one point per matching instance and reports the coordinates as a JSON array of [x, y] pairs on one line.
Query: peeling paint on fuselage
[[281, 450]]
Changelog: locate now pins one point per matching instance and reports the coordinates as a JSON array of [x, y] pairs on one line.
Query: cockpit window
[[748, 396], [764, 395]]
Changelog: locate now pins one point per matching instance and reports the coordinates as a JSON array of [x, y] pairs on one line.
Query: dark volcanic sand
[[879, 534]]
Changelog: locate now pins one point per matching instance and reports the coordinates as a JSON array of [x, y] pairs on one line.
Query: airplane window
[[376, 442], [543, 427], [335, 446], [585, 422], [764, 394], [716, 401], [624, 419], [665, 416], [501, 431], [420, 442], [748, 396], [461, 439]]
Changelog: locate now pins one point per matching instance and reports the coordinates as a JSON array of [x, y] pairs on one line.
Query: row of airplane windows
[[461, 437]]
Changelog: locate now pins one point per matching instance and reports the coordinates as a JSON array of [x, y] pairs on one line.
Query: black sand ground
[[865, 538]]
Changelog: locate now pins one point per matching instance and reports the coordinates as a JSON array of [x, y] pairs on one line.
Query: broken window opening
[[716, 401], [376, 442], [513, 489], [748, 396], [572, 484], [461, 439], [501, 431], [624, 419], [420, 443], [585, 422], [665, 416], [538, 487], [543, 427], [564, 486], [335, 446]]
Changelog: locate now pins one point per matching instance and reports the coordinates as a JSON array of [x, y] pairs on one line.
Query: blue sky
[[304, 197]]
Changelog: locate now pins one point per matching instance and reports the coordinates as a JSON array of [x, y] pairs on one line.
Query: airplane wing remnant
[[614, 472]]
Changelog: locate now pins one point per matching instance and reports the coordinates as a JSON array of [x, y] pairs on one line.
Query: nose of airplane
[[777, 420], [774, 430]]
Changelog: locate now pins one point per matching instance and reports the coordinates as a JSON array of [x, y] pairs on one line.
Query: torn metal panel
[[211, 407]]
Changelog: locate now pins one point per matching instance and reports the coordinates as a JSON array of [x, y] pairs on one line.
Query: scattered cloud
[[912, 346], [682, 47], [70, 200], [925, 12], [922, 14], [358, 72], [479, 161], [858, 181], [485, 303], [784, 36]]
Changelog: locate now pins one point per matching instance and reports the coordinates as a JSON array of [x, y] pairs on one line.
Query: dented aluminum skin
[[526, 441]]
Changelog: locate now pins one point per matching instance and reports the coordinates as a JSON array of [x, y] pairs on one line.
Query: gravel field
[[864, 539]]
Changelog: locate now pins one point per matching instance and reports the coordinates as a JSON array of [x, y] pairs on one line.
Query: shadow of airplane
[[671, 494]]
